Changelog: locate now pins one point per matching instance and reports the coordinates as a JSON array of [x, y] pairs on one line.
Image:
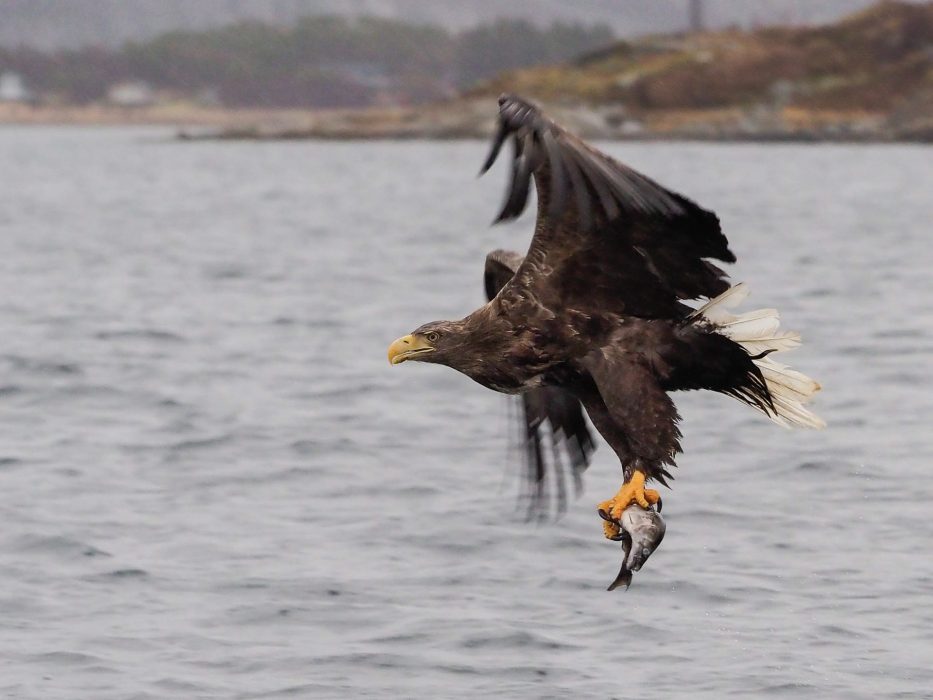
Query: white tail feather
[[788, 340], [729, 299], [753, 325], [758, 332]]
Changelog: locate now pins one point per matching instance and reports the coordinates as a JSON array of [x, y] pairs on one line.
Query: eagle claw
[[612, 529], [633, 491], [605, 516]]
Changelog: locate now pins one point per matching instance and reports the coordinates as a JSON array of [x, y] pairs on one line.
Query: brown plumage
[[550, 417], [594, 314]]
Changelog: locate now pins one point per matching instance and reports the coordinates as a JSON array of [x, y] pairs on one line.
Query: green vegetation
[[323, 61]]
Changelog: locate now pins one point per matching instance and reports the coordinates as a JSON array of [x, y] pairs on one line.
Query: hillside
[[871, 73], [868, 77], [319, 62]]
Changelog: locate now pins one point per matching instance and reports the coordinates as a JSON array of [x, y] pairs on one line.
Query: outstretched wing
[[550, 415], [607, 238]]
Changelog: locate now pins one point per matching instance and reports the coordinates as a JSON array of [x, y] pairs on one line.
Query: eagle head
[[438, 342]]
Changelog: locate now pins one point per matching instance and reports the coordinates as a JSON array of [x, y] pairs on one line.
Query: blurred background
[[685, 68], [214, 217]]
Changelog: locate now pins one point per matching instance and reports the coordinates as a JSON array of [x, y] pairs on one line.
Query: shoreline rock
[[474, 119]]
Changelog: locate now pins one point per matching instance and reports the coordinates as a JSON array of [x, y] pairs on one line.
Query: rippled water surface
[[213, 485]]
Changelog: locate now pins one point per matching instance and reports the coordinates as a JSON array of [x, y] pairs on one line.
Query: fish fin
[[623, 579]]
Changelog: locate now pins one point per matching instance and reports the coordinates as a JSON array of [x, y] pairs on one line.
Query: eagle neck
[[484, 353]]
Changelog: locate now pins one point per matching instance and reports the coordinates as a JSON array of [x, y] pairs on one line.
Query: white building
[[131, 94], [12, 88]]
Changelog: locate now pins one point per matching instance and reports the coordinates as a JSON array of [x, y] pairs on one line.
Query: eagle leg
[[632, 491]]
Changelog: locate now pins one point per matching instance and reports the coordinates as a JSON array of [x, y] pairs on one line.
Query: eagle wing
[[548, 414], [609, 243], [607, 238]]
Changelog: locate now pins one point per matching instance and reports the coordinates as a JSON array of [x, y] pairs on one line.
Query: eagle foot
[[611, 529], [633, 491]]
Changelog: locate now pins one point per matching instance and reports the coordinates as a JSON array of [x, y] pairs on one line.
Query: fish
[[640, 533]]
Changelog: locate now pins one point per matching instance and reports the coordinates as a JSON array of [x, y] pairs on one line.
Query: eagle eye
[[432, 337]]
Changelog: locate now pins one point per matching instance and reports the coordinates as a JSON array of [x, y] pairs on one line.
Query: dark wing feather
[[631, 235], [549, 414], [500, 266]]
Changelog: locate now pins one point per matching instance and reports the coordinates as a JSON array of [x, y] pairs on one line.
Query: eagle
[[595, 316]]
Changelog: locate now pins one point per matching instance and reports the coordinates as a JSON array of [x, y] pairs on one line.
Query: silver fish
[[641, 534]]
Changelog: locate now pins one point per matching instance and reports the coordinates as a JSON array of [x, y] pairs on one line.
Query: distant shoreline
[[180, 114], [863, 79], [460, 119]]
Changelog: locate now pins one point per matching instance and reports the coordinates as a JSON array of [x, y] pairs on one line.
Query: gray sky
[[70, 23]]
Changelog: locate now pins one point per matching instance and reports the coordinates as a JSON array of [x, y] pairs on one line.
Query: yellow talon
[[611, 530], [633, 491]]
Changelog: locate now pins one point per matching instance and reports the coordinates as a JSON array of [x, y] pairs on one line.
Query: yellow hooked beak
[[407, 347]]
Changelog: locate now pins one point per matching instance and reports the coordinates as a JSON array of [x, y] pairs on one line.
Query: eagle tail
[[759, 334]]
